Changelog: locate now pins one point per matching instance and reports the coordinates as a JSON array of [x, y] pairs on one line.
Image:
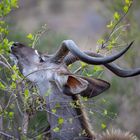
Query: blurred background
[[84, 21]]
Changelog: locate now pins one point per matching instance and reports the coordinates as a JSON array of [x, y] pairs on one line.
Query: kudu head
[[52, 69], [38, 67], [51, 72]]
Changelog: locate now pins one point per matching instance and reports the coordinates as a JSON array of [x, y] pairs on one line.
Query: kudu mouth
[[13, 52], [15, 45], [13, 48]]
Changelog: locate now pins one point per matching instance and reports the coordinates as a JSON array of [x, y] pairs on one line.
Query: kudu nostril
[[12, 47], [15, 44]]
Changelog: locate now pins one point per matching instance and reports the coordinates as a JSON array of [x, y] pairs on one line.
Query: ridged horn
[[69, 46], [69, 59]]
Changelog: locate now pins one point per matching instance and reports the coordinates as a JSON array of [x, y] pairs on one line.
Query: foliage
[[19, 96], [16, 94], [117, 28], [6, 6], [128, 94]]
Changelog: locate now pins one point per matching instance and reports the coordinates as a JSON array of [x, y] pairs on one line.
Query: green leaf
[[98, 68], [15, 68], [60, 121], [103, 126], [110, 25], [125, 9], [5, 41], [91, 112], [2, 22], [83, 65], [100, 41], [13, 85], [14, 3], [57, 105], [56, 129], [105, 112], [30, 36], [109, 47], [53, 111], [26, 93], [2, 86], [128, 2], [104, 100], [14, 77], [11, 114], [116, 16], [84, 99], [113, 41]]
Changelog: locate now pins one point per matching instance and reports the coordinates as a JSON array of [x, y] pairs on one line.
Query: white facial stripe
[[37, 52]]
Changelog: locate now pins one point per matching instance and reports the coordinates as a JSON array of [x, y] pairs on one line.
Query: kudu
[[51, 75]]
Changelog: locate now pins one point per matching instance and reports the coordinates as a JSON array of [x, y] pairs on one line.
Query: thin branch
[[3, 64], [38, 35], [7, 135], [9, 101], [6, 61], [123, 26], [8, 64], [110, 34], [18, 106], [77, 70]]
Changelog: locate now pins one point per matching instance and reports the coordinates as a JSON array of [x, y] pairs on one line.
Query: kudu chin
[[51, 75]]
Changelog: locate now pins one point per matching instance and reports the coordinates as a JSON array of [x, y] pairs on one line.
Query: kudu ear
[[86, 87], [95, 87], [74, 85]]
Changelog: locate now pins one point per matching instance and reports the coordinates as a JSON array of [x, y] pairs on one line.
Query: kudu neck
[[44, 87], [81, 121]]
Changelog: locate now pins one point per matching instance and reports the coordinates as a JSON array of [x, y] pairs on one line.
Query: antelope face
[[26, 54], [28, 59], [38, 68]]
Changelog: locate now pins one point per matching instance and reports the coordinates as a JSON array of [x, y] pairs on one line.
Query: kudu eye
[[41, 60]]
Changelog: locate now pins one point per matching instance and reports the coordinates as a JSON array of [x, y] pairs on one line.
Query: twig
[[8, 64], [9, 101], [110, 34], [25, 123], [7, 135], [123, 26], [77, 70], [3, 64], [6, 61], [18, 106], [38, 35]]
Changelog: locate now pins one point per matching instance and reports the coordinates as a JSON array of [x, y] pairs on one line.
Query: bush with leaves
[[18, 97]]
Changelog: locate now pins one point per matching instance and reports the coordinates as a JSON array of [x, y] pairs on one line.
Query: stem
[[7, 135], [112, 31]]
